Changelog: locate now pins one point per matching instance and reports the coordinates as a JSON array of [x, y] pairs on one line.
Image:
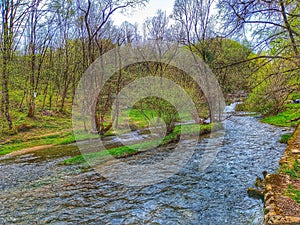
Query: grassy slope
[[293, 193], [292, 111], [284, 119], [42, 130]]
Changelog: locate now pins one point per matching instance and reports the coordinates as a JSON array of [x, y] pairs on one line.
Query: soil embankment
[[282, 191]]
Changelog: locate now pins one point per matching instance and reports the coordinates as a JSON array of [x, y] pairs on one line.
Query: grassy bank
[[125, 151], [55, 128], [290, 166], [287, 118], [51, 129], [293, 193], [290, 117], [284, 184]]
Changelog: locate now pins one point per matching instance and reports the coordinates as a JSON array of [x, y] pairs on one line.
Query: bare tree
[[270, 20], [195, 18], [97, 14], [12, 16], [33, 19], [95, 18]]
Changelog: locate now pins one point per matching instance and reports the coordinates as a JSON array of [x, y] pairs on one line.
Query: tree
[[195, 18], [94, 23], [34, 17], [270, 19], [12, 17], [276, 40], [94, 27], [65, 17], [224, 52]]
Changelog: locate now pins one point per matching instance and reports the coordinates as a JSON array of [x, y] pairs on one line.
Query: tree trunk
[[31, 108], [288, 27], [7, 48], [5, 93]]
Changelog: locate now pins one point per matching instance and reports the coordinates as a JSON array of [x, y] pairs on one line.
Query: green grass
[[138, 118], [51, 139], [293, 193], [118, 152], [46, 130], [18, 144], [293, 172], [125, 151], [57, 129], [292, 111], [285, 137]]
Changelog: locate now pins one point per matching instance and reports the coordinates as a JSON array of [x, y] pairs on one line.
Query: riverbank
[[44, 132], [136, 148], [52, 128], [282, 190]]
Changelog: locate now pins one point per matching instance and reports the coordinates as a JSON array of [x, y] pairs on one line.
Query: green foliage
[[295, 96], [156, 109], [218, 54], [114, 152]]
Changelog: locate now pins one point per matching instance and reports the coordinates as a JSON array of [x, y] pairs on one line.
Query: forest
[[46, 46], [180, 118]]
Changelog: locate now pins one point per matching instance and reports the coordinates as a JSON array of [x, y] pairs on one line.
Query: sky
[[139, 15]]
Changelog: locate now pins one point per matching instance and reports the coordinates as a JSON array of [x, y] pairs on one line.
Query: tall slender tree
[[11, 19]]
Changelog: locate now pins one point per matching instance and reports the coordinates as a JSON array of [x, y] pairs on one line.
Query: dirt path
[[27, 150], [33, 134]]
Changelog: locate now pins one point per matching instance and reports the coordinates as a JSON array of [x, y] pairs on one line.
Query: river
[[36, 189]]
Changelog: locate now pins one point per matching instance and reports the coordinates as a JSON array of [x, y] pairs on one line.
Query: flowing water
[[36, 189]]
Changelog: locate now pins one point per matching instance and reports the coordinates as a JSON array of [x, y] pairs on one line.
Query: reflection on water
[[36, 189]]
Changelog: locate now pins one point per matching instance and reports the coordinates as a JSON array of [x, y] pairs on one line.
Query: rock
[[281, 209], [259, 182], [265, 173], [295, 151], [268, 187], [254, 193], [269, 195], [270, 201]]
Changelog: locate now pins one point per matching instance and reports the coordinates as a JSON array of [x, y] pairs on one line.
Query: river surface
[[36, 189]]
